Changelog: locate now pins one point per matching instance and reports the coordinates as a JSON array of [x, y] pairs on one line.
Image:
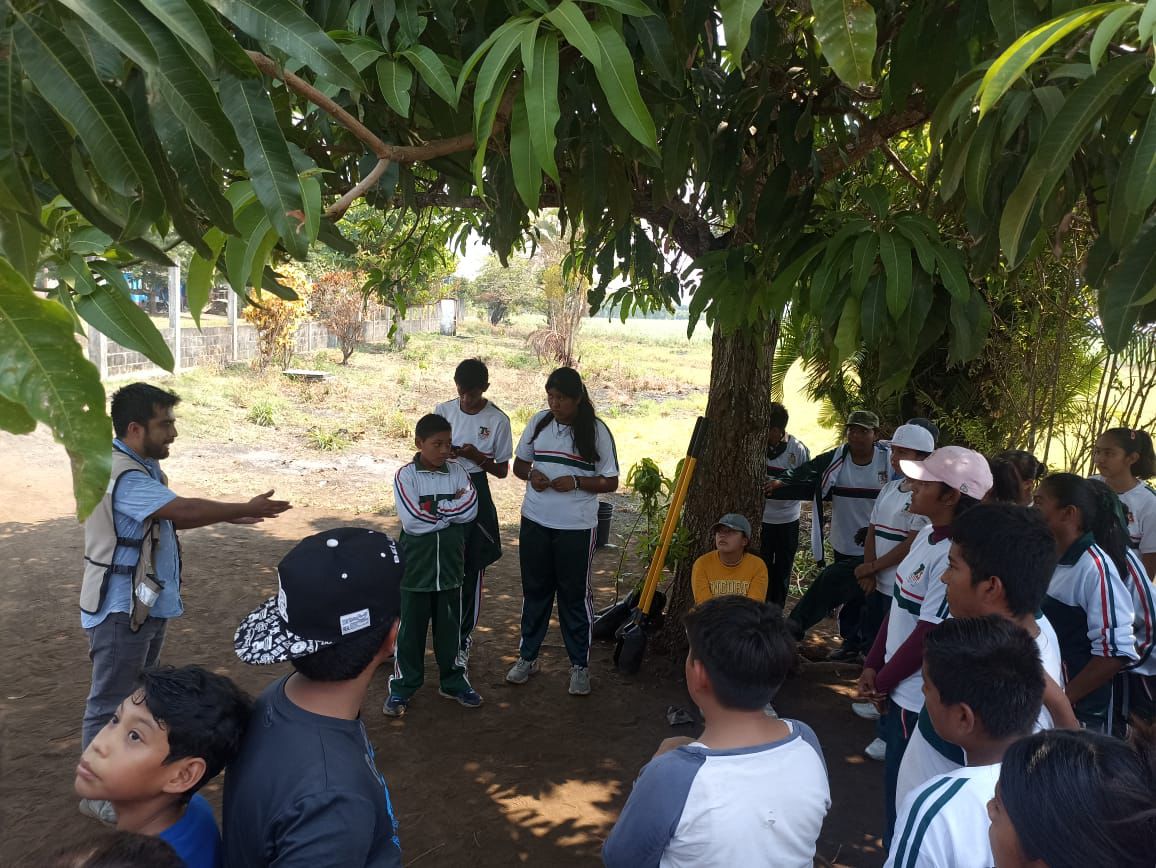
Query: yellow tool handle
[[668, 528]]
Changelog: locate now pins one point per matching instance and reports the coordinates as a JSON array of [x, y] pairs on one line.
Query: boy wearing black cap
[[305, 789]]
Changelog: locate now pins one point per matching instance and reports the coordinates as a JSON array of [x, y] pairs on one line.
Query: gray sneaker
[[521, 671], [579, 681], [99, 809]]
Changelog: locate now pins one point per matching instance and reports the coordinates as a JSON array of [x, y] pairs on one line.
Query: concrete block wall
[[215, 345]]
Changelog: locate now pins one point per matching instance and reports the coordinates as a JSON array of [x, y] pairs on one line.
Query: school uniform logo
[[428, 503], [483, 431], [882, 477]]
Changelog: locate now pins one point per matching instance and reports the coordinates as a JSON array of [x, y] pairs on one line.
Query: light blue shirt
[[137, 497]]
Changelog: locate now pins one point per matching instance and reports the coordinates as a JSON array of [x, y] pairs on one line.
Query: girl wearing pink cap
[[947, 483]]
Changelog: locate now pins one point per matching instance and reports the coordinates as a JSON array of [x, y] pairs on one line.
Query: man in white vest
[[132, 569]]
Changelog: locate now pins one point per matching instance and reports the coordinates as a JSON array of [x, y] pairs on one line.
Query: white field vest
[[100, 544]]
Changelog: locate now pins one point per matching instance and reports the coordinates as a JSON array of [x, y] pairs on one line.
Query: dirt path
[[534, 777]]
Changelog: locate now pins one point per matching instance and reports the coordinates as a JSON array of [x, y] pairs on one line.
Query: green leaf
[[568, 18], [1107, 31], [847, 36], [110, 309], [14, 418], [970, 321], [878, 199], [199, 281], [737, 16], [1012, 18], [1147, 24], [117, 22], [252, 227], [616, 77], [874, 320], [1140, 190], [480, 51], [627, 7], [193, 168], [288, 27], [787, 280], [495, 67], [43, 370], [433, 72], [485, 129], [20, 241], [11, 96], [1058, 145], [1026, 50], [267, 159], [527, 171], [198, 26], [863, 261], [924, 250], [395, 79], [542, 109], [952, 273], [847, 335], [70, 85], [896, 255], [1128, 286]]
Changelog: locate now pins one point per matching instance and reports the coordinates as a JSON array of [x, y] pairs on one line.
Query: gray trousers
[[118, 655]]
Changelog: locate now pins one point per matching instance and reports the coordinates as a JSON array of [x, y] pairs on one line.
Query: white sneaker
[[579, 681], [98, 809], [877, 750], [866, 710], [769, 711], [521, 671]]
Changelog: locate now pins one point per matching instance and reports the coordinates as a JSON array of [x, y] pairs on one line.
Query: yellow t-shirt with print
[[710, 577]]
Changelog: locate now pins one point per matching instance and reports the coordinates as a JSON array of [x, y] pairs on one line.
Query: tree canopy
[[882, 166]]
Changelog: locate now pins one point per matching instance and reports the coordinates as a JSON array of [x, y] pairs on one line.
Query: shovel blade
[[607, 622], [630, 648]]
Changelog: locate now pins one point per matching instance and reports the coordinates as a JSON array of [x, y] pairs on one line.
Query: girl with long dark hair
[[1088, 602], [1125, 460], [567, 457]]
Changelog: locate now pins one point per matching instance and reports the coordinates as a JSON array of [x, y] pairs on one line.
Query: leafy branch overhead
[[880, 166]]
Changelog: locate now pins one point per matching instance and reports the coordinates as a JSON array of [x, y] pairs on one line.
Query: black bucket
[[605, 513]]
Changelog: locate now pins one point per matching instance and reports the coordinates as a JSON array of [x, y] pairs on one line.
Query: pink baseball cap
[[965, 470]]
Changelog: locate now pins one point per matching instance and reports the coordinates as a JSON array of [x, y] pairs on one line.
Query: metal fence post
[[175, 315]]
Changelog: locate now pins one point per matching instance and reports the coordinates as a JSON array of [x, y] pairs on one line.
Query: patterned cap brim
[[263, 638]]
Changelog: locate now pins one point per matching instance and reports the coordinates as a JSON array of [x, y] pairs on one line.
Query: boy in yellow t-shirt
[[730, 569]]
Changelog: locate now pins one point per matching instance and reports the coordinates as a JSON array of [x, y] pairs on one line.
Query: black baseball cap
[[330, 586]]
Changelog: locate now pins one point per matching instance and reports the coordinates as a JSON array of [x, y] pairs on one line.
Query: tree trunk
[[732, 467]]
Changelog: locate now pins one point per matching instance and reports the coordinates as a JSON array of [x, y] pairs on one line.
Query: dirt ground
[[533, 777]]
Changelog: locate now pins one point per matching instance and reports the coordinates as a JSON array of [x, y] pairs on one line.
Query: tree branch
[[901, 167], [337, 210], [834, 159], [383, 150]]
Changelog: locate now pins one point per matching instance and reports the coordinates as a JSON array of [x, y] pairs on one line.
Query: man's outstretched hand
[[262, 507]]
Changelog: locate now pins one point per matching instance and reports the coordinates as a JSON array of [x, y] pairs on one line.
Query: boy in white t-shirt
[[780, 540], [483, 445], [983, 684], [1000, 563], [889, 536], [721, 799]]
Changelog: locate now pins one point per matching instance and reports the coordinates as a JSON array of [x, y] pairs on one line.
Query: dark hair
[[1100, 511], [344, 660], [1006, 482], [965, 502], [744, 646], [569, 383], [119, 850], [926, 424], [138, 402], [1133, 440], [431, 424], [993, 665], [203, 714], [1026, 464], [1012, 543], [472, 374], [1078, 798], [778, 417]]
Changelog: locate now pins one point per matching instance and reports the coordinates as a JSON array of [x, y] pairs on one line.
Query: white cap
[[913, 437]]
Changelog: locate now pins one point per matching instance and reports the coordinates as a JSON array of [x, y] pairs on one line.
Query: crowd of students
[[1007, 652]]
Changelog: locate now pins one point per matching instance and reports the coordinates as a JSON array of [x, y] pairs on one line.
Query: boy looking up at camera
[[730, 568], [174, 734]]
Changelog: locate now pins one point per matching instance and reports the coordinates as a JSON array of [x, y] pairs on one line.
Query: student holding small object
[[567, 457]]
